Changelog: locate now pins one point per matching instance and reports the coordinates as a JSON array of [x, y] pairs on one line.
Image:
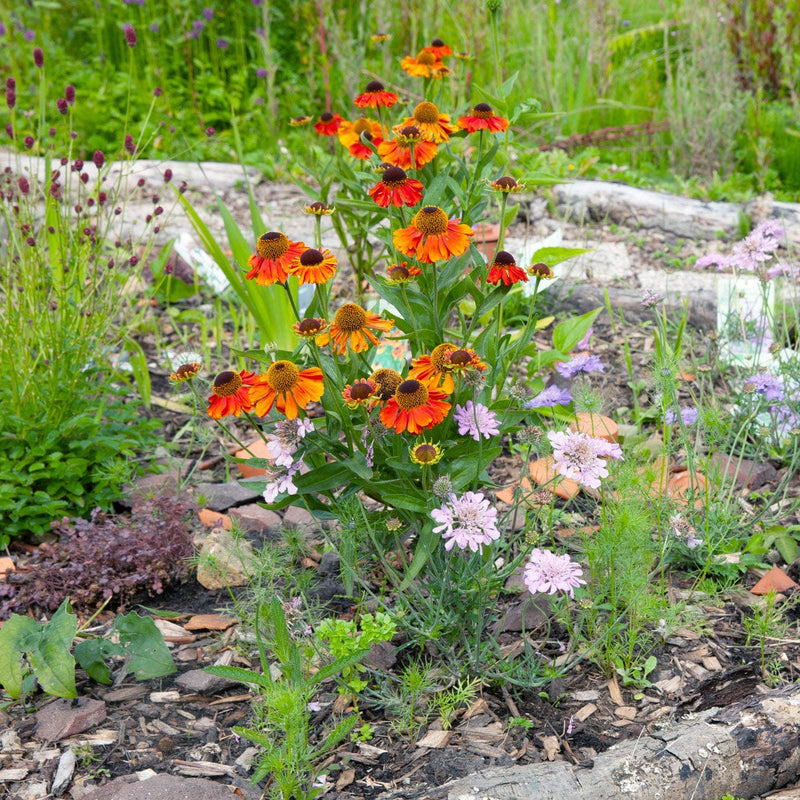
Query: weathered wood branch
[[746, 749]]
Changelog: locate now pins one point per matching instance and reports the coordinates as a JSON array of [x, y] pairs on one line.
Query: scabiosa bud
[[130, 145], [442, 487], [11, 83], [167, 175], [130, 35], [29, 142], [158, 211], [69, 94], [140, 182], [133, 261], [98, 158], [38, 57], [51, 131], [10, 130], [85, 177], [30, 241], [210, 132], [158, 91], [61, 104], [24, 186], [11, 98]]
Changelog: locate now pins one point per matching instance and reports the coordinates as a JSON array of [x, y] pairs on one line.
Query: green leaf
[[11, 635], [240, 674], [91, 656], [555, 255], [48, 650], [569, 332], [141, 374], [149, 656]]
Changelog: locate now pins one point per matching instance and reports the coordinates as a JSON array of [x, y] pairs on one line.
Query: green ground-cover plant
[[31, 652], [634, 82]]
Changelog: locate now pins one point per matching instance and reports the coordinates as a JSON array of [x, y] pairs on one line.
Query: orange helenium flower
[[504, 268], [230, 394], [402, 273], [298, 122], [375, 96], [408, 139], [273, 258], [396, 188], [328, 124], [313, 266], [350, 132], [309, 327], [425, 65], [507, 185], [433, 125], [432, 236], [540, 270], [286, 387], [439, 49], [414, 407], [463, 360], [387, 381], [430, 369], [353, 324], [482, 118], [360, 392]]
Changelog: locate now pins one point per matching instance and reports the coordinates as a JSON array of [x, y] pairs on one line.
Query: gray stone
[[63, 718], [222, 496], [329, 564], [224, 561], [297, 517], [607, 262], [682, 217], [162, 787], [198, 682], [256, 519], [528, 614]]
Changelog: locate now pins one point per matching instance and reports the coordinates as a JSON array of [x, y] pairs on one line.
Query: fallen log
[[744, 750]]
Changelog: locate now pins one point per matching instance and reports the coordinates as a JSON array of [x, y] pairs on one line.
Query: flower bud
[[69, 94], [38, 57], [98, 158], [130, 35]]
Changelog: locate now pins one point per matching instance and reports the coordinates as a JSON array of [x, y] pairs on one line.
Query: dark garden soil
[[182, 724]]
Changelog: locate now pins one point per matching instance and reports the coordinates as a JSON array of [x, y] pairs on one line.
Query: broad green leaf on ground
[[149, 656]]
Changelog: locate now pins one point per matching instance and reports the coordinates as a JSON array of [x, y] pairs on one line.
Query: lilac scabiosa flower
[[751, 253], [29, 36], [768, 385], [154, 27], [583, 362], [208, 14], [261, 73], [222, 44], [467, 521], [551, 396], [649, 298], [689, 415], [582, 457], [682, 529], [281, 482], [475, 420], [547, 573]]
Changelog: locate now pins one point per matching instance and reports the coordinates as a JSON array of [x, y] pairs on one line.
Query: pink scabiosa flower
[[547, 573], [752, 252], [468, 521], [582, 457], [476, 420]]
